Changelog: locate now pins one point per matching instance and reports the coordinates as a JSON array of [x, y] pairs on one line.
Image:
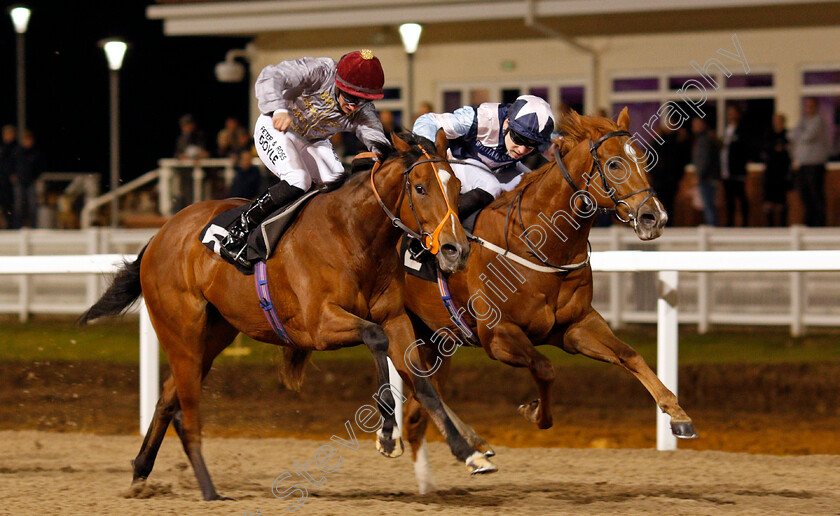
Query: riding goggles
[[518, 139], [353, 100]]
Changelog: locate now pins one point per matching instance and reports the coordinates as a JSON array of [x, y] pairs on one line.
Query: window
[[636, 84], [754, 93]]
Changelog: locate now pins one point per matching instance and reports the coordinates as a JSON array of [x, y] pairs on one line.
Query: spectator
[[776, 173], [190, 143], [810, 151], [425, 107], [733, 166], [674, 154], [388, 125], [247, 180], [29, 163], [228, 140], [706, 160], [8, 152]]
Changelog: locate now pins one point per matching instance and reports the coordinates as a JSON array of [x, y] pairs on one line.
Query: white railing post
[[24, 282], [397, 385], [228, 176], [93, 280], [165, 190], [616, 294], [703, 284], [797, 325], [197, 183], [149, 369], [667, 365]]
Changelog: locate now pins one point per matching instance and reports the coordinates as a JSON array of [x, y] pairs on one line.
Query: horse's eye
[[419, 189], [613, 165]]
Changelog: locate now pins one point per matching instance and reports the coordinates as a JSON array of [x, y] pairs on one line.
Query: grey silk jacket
[[305, 88]]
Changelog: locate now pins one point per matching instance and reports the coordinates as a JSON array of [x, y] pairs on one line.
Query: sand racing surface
[[79, 474]]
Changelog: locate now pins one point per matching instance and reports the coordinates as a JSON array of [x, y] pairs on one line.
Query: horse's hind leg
[[165, 409], [191, 350], [510, 345], [592, 337]]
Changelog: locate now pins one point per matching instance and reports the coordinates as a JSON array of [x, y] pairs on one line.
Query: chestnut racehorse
[[546, 220], [335, 280]]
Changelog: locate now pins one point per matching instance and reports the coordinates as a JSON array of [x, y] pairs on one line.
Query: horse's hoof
[[478, 464], [683, 430], [530, 410], [215, 497], [391, 447]]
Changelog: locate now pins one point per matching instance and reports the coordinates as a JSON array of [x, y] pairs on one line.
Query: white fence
[[667, 264], [796, 299]]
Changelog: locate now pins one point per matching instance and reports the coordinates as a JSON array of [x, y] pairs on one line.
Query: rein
[[549, 267], [596, 165], [429, 241]]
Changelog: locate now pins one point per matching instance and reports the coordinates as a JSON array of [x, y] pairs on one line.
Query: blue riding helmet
[[531, 117]]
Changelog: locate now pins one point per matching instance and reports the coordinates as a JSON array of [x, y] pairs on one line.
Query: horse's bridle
[[596, 165], [429, 241]]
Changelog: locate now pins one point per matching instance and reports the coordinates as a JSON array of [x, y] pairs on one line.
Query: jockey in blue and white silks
[[493, 139]]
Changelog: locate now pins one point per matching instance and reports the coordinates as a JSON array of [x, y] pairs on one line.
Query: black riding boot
[[279, 195], [472, 201]]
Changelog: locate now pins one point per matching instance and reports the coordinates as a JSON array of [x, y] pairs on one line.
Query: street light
[[20, 19], [410, 35], [114, 52]]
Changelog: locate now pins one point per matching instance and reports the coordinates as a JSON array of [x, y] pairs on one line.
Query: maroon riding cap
[[360, 73]]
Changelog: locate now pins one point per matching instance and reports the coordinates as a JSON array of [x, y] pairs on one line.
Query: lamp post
[[114, 52], [20, 19], [410, 35]]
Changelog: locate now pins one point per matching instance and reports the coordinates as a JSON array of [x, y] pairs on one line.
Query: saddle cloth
[[262, 239]]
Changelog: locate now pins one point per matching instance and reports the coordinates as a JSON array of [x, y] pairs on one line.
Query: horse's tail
[[121, 294], [294, 367]]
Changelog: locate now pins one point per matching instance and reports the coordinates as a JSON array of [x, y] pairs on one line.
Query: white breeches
[[294, 159], [475, 174]]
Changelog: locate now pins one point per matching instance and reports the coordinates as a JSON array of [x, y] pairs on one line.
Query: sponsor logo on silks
[[272, 149]]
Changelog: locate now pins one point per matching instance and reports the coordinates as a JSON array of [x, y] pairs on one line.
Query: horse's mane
[[574, 128], [418, 145]]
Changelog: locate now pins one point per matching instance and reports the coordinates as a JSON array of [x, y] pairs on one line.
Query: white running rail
[[668, 265]]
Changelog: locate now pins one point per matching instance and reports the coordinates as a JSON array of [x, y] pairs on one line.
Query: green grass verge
[[117, 341]]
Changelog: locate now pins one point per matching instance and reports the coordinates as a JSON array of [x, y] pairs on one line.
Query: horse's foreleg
[[166, 407], [403, 352], [388, 440], [510, 345], [592, 337], [415, 423]]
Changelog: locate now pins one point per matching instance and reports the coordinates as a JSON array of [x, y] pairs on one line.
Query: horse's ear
[[399, 143], [441, 143], [624, 119]]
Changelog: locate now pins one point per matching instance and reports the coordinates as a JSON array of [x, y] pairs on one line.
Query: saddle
[[262, 240]]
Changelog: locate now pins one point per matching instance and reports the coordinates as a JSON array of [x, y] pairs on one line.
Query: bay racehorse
[[335, 280], [547, 297]]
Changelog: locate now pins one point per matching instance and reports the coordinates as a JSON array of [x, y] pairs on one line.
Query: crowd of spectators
[[21, 162], [792, 159]]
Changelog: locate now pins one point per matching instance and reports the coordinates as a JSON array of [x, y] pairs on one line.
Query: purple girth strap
[[455, 314], [261, 280]]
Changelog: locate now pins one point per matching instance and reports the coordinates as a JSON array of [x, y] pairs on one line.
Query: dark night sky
[[67, 84]]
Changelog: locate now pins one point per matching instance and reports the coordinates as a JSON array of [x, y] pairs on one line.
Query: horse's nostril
[[648, 219], [449, 250]]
